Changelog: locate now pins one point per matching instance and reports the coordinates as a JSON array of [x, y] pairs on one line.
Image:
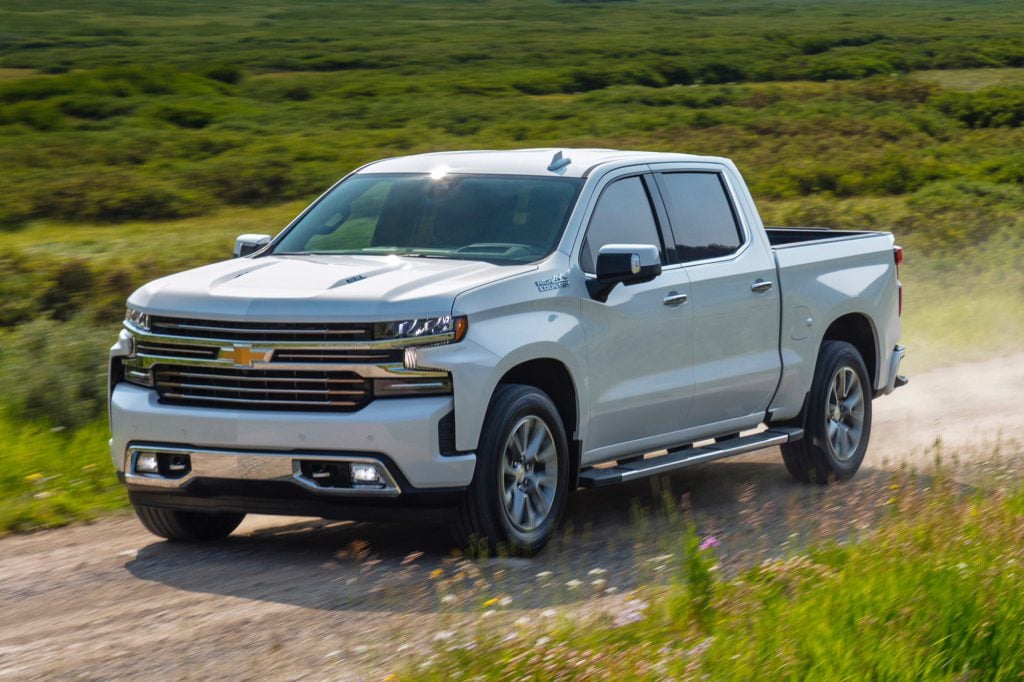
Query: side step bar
[[599, 478]]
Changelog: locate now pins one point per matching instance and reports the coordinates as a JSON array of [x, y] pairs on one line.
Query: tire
[[836, 432], [187, 526], [518, 493]]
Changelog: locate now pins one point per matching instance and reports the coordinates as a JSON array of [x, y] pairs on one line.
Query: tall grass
[[51, 476], [936, 591]]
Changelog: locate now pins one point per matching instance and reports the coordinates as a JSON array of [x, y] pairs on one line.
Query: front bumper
[[259, 450]]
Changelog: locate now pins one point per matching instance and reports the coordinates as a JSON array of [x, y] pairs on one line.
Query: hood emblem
[[244, 356]]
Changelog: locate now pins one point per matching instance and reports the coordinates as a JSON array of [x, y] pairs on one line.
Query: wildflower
[[32, 478], [599, 583], [505, 601], [448, 599], [487, 614], [611, 590], [522, 622], [573, 584], [632, 612], [544, 575], [541, 641], [549, 613], [436, 573], [491, 602], [443, 635], [709, 542], [596, 571]]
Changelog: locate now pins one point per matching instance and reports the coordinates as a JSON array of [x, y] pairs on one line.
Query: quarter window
[[702, 217], [622, 216]]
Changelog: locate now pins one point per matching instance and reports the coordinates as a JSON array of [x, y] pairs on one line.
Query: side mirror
[[250, 243], [625, 263]]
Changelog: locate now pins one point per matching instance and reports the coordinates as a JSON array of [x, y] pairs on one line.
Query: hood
[[314, 288]]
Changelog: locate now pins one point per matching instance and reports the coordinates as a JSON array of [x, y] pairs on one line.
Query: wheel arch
[[554, 378], [858, 330]]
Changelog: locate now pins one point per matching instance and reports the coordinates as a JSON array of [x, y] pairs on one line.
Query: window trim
[[730, 196], [657, 213]]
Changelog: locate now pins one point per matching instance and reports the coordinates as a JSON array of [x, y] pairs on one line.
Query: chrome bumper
[[895, 379], [251, 466], [403, 432]]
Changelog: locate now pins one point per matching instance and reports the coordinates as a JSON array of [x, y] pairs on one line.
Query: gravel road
[[291, 598]]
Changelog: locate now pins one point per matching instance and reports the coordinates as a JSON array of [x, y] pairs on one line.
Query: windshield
[[498, 218]]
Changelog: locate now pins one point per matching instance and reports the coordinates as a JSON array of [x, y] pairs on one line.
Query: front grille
[[273, 389], [174, 350], [337, 355], [312, 332]]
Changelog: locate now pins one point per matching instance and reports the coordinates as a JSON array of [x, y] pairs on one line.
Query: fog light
[[147, 463], [365, 473]]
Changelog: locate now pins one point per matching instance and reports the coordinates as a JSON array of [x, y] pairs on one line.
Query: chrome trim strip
[[253, 466], [228, 401], [256, 330], [230, 377], [144, 336], [391, 370]]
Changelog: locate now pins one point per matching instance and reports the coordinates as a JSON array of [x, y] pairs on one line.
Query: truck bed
[[787, 236]]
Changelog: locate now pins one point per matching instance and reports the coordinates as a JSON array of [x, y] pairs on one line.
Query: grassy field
[[932, 592], [137, 140]]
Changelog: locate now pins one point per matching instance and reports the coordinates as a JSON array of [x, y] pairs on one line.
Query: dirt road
[[289, 598]]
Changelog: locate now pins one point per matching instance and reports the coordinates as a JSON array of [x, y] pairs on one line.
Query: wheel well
[[552, 377], [856, 330]]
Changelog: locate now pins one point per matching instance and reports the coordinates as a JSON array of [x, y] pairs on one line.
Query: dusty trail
[[292, 597]]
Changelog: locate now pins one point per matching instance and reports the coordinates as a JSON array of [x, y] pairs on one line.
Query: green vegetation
[[137, 139], [53, 476], [935, 592]]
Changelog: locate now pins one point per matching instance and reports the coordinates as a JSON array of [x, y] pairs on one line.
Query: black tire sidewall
[[512, 403], [836, 354]]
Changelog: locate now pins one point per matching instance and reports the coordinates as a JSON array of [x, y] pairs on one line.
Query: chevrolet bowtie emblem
[[243, 356]]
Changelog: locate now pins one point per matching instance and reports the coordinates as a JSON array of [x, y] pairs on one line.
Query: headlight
[[137, 318], [422, 328]]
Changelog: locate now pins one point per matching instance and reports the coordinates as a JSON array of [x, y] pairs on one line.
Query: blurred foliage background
[[137, 139]]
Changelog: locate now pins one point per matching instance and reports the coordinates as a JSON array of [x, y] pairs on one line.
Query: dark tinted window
[[622, 216], [500, 218], [702, 218]]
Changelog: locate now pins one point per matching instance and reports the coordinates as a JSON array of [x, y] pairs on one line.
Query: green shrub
[[55, 373], [114, 196]]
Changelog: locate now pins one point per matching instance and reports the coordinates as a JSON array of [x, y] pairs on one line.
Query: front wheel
[[521, 480], [187, 526], [837, 418]]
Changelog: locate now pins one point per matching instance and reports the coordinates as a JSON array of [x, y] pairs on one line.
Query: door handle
[[761, 285], [674, 299]]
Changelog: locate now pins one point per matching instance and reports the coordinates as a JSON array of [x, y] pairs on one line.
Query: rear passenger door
[[733, 295], [639, 341]]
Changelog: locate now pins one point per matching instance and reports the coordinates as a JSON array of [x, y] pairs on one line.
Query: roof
[[520, 161]]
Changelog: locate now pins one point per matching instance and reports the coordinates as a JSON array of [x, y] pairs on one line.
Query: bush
[[54, 372], [114, 196]]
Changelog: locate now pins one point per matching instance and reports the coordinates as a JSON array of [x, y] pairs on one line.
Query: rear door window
[[703, 220]]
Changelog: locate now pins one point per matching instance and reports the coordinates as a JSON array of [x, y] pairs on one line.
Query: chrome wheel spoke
[[844, 413], [528, 474]]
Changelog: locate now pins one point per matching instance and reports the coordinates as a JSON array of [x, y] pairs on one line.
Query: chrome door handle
[[760, 286], [674, 299]]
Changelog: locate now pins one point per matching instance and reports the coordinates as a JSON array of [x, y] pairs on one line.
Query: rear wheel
[[521, 480], [187, 526], [837, 418]]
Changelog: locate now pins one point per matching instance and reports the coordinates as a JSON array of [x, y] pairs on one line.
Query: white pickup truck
[[473, 335]]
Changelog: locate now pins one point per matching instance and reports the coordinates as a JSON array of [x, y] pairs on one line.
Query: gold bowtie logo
[[243, 356]]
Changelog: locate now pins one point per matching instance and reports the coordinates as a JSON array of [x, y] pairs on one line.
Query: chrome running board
[[641, 468]]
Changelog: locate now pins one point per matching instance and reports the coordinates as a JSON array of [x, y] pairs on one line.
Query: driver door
[[640, 341]]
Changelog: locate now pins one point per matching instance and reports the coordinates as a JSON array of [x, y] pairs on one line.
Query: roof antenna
[[558, 162]]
